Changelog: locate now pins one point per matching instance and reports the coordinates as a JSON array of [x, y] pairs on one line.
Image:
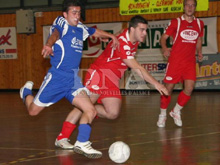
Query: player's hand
[[104, 39], [115, 43], [200, 56], [46, 51], [166, 52], [162, 89]]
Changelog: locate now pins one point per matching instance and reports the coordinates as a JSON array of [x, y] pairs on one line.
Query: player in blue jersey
[[66, 43]]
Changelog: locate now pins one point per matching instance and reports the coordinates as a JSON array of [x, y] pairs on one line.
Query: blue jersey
[[68, 49], [62, 78]]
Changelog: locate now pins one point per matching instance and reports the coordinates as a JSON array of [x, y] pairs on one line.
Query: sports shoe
[[86, 149], [63, 143], [161, 121], [26, 89], [177, 118]]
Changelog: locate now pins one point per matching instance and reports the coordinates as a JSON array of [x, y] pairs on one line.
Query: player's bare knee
[[113, 115], [92, 113], [188, 91], [33, 112]]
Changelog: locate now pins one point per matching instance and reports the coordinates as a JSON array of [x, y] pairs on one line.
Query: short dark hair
[[186, 0], [69, 3], [135, 20]]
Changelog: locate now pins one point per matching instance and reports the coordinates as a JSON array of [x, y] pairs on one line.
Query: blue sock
[[26, 92], [84, 132]]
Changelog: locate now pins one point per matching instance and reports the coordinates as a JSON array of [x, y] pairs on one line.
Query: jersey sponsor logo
[[76, 43], [169, 78], [189, 34]]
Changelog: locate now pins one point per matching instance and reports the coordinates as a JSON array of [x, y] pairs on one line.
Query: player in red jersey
[[187, 33], [103, 77]]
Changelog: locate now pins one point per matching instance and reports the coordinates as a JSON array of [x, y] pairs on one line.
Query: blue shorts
[[57, 85]]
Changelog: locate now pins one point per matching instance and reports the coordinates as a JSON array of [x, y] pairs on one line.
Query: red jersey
[[185, 35], [112, 59]]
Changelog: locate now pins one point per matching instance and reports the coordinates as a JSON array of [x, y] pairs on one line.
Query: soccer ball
[[119, 152]]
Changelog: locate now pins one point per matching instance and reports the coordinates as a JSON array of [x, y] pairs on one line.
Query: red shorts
[[97, 82], [176, 73]]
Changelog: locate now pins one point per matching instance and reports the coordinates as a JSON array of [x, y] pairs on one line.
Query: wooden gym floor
[[30, 140]]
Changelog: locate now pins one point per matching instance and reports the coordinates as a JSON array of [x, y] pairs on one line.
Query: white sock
[[177, 108], [163, 112]]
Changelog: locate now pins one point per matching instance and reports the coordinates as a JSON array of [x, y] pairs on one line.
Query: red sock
[[164, 101], [183, 99], [67, 130]]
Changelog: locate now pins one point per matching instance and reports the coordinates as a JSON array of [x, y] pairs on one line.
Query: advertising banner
[[8, 43], [93, 47], [136, 7], [207, 73]]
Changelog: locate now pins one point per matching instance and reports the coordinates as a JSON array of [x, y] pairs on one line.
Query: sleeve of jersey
[[87, 31], [125, 52], [58, 24], [202, 29], [171, 27]]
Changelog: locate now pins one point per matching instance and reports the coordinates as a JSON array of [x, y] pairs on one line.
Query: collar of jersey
[[182, 17]]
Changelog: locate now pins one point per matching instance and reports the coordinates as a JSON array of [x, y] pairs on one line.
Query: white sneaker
[[26, 89], [161, 121], [86, 149], [63, 143], [177, 118]]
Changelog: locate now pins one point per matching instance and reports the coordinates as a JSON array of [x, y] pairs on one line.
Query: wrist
[[49, 45]]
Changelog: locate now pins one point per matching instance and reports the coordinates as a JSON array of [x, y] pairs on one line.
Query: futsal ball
[[119, 152]]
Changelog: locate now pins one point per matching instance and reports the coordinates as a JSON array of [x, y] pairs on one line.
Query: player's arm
[[199, 48], [165, 49], [102, 34], [47, 48], [143, 73]]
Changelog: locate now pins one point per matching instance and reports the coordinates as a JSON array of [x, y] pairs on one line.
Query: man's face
[[140, 32], [73, 15], [190, 7]]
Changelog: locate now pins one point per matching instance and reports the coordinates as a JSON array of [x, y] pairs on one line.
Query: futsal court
[[30, 140]]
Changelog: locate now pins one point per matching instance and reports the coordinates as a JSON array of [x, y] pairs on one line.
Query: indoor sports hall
[[30, 140]]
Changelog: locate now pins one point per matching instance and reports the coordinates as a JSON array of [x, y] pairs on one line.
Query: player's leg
[[189, 77], [83, 145], [110, 108], [182, 100], [184, 95], [164, 103], [27, 96], [69, 125]]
